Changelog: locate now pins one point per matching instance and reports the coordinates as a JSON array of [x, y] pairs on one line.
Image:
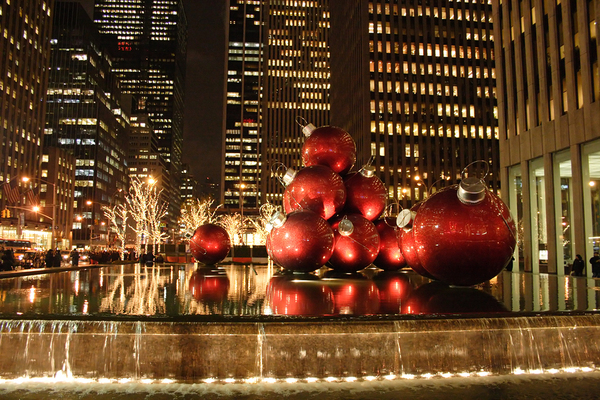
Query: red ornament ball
[[304, 242], [365, 194], [330, 146], [464, 243], [357, 249], [390, 256], [407, 244], [315, 188], [210, 244]]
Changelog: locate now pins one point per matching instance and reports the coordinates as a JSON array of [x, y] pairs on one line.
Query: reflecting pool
[[262, 292], [254, 324]]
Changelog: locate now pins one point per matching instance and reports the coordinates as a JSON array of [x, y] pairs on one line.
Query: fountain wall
[[193, 352]]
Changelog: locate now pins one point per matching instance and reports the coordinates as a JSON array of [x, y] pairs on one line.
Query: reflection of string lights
[[32, 294]]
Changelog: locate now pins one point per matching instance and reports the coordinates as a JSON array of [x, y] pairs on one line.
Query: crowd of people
[[54, 258]]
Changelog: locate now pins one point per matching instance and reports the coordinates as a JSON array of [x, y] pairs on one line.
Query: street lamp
[[52, 235], [242, 187]]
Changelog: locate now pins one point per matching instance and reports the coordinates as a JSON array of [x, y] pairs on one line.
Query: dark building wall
[[431, 85]]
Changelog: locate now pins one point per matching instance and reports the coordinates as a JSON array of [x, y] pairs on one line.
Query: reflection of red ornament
[[407, 244], [209, 285], [210, 244], [356, 243], [353, 294], [390, 256], [394, 289], [302, 295], [303, 241], [329, 146], [461, 241], [365, 193], [315, 188], [439, 298]]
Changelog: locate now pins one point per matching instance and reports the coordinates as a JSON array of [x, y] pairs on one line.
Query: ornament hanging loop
[[472, 189], [307, 127], [279, 170]]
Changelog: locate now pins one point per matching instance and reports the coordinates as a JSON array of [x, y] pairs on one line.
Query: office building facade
[[277, 75], [413, 82], [85, 117], [149, 41], [549, 125], [25, 28]]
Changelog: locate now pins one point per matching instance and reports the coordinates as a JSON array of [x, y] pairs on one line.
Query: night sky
[[204, 89]]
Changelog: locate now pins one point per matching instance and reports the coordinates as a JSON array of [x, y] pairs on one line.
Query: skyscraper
[[241, 172], [149, 40], [296, 88], [278, 75], [25, 28], [85, 116], [414, 83]]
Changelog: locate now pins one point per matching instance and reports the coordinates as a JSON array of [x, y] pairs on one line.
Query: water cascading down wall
[[193, 352]]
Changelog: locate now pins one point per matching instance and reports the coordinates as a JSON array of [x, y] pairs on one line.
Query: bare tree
[[147, 210], [234, 225], [196, 215], [260, 222], [117, 216]]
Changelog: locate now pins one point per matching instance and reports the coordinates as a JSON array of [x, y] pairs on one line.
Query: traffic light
[[6, 213]]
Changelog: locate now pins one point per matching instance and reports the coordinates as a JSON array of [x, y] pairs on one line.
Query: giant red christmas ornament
[[330, 146], [464, 234], [394, 289], [365, 193], [209, 284], [353, 294], [315, 188], [299, 295], [390, 256], [300, 241], [210, 244], [356, 243], [407, 244]]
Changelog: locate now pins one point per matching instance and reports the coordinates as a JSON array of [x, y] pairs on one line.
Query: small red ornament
[[365, 193], [390, 256], [210, 244], [209, 284], [464, 234], [394, 289], [315, 188], [299, 295], [330, 146], [353, 294], [300, 241], [356, 243]]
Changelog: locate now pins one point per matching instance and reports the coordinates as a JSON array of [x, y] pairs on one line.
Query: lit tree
[[147, 210], [196, 215], [117, 217], [234, 226], [260, 222]]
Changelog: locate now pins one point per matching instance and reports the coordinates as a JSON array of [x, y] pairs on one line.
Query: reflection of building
[[549, 113], [414, 83], [278, 70], [149, 39], [85, 117], [25, 49]]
